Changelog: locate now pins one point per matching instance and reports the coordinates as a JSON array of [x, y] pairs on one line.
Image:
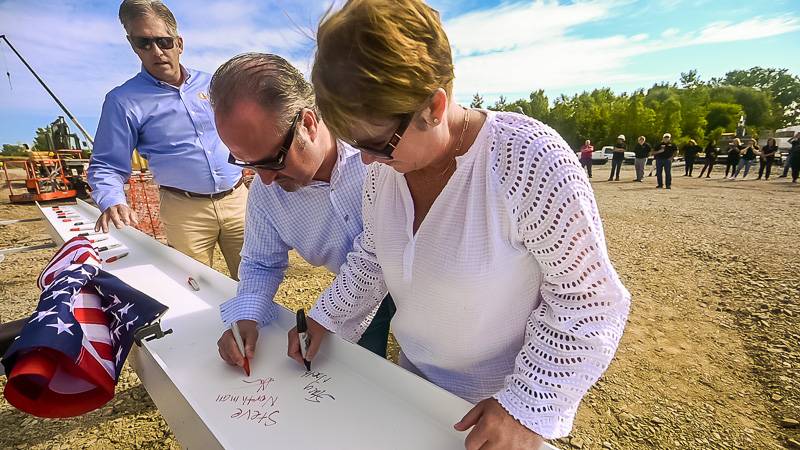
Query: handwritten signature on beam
[[314, 390]]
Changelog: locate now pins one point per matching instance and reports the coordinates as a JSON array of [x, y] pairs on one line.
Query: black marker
[[302, 333]]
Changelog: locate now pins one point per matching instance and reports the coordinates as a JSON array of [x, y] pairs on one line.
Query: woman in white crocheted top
[[482, 225]]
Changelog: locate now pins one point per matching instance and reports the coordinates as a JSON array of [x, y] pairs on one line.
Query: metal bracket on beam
[[150, 332]]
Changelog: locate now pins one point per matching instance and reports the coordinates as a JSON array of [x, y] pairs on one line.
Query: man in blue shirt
[[307, 195], [164, 112]]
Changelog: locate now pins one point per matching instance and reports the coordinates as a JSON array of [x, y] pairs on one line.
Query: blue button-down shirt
[[319, 221], [173, 129]]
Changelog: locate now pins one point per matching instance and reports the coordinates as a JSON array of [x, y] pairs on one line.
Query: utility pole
[[64, 108]]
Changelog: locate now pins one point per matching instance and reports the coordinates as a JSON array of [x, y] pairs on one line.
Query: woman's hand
[[494, 429], [316, 334]]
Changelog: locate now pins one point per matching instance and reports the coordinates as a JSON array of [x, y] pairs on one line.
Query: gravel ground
[[709, 359]]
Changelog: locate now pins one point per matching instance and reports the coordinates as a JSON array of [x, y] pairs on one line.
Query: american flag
[[68, 357]]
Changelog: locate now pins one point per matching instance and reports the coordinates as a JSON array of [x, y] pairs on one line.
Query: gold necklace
[[460, 143]]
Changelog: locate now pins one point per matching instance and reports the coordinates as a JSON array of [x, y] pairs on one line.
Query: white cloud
[[670, 32], [755, 28], [517, 25], [82, 54], [534, 45], [515, 47]]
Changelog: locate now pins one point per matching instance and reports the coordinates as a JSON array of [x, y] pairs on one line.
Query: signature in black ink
[[314, 390]]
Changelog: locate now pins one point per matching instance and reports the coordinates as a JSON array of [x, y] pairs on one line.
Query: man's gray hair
[[131, 10], [267, 79]]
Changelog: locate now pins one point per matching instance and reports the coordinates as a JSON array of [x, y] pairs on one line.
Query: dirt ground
[[710, 357]]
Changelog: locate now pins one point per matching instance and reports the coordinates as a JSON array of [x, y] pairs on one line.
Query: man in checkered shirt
[[307, 195]]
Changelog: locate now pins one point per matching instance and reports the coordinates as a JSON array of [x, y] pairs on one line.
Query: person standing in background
[[711, 158], [748, 156], [586, 157], [642, 151], [794, 156], [164, 112], [767, 158], [690, 152], [617, 158], [663, 154], [734, 154]]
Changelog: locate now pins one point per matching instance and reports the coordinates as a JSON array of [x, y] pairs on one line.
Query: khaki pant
[[194, 226]]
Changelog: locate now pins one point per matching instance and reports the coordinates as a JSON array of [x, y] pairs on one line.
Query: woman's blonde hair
[[378, 60]]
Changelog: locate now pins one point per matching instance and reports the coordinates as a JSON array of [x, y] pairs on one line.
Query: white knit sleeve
[[573, 332], [349, 304]]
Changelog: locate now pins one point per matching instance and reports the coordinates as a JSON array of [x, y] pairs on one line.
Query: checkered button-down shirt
[[319, 221]]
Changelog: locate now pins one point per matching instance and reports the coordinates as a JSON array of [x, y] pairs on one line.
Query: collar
[[344, 155], [147, 76]]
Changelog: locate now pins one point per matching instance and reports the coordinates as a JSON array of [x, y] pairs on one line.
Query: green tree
[[756, 104], [639, 120], [518, 106], [41, 141], [539, 105], [694, 102], [477, 101], [15, 150], [500, 105], [783, 87], [562, 119], [722, 115], [690, 79], [692, 109]]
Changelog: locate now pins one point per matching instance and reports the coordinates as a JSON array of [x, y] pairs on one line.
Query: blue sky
[[500, 47]]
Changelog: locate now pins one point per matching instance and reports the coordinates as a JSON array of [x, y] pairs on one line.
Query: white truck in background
[[782, 137]]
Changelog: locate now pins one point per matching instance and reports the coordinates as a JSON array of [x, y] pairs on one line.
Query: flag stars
[[124, 310], [71, 305], [116, 301], [42, 314], [61, 326], [130, 323], [83, 271], [55, 294], [70, 280]]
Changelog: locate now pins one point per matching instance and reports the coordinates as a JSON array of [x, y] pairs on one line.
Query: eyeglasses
[[146, 43], [385, 153], [276, 163]]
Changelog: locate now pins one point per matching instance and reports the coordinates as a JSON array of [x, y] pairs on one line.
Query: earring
[[435, 121]]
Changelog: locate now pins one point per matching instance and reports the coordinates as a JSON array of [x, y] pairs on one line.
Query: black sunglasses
[[385, 153], [277, 163], [146, 43]]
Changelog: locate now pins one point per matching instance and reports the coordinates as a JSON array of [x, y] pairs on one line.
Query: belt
[[214, 196]]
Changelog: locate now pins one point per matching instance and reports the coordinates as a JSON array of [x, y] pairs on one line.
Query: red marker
[[116, 257], [81, 228], [92, 241], [237, 336]]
